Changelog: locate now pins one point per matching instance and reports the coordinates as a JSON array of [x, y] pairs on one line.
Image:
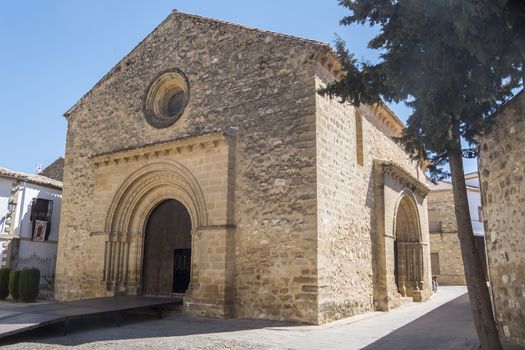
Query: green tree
[[4, 282], [454, 62], [14, 277], [28, 285]]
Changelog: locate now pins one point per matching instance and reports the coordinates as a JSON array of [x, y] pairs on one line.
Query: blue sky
[[54, 51]]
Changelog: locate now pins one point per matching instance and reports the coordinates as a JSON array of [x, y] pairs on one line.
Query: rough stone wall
[[54, 170], [441, 212], [345, 207], [444, 238], [446, 244], [502, 169], [258, 82]]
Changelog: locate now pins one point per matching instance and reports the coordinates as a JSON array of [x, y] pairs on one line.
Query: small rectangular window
[[434, 263], [41, 212]]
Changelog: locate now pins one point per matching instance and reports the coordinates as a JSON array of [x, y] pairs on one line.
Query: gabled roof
[[258, 30], [445, 186], [326, 56], [439, 186], [35, 179]]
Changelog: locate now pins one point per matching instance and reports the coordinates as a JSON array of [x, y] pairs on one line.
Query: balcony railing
[[46, 265]]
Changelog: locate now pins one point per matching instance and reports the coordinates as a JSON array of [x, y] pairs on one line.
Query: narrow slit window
[[359, 137]]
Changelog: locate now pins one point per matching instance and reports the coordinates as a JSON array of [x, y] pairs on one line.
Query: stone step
[[398, 301]]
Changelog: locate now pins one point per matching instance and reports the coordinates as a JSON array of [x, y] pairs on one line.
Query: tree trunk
[[477, 287]]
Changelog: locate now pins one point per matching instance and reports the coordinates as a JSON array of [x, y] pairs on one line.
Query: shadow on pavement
[[449, 326], [136, 326]]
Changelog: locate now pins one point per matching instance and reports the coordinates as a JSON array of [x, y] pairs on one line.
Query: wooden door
[[168, 232]]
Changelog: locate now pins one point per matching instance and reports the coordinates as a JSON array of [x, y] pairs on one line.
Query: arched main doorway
[[408, 250], [167, 250]]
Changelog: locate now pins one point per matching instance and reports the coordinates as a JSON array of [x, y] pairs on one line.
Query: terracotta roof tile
[[32, 178]]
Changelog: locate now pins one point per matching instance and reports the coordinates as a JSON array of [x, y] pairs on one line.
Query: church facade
[[205, 165]]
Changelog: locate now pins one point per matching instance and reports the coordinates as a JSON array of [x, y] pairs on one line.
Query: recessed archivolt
[[147, 187], [410, 254], [407, 225], [397, 173]]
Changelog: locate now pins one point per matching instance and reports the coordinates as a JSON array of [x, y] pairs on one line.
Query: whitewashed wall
[[5, 192], [24, 226], [472, 181], [474, 202]]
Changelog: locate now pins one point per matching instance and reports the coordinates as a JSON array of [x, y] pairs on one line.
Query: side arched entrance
[[402, 254], [167, 250], [408, 249]]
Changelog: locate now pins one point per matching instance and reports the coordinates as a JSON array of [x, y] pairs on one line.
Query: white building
[[474, 203], [437, 217], [29, 221]]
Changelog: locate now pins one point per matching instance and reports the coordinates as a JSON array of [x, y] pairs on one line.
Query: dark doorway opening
[[181, 270], [167, 250]]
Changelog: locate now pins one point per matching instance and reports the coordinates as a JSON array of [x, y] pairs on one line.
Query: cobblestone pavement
[[377, 330]]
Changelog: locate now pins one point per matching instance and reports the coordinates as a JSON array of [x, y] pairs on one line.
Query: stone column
[[380, 264]]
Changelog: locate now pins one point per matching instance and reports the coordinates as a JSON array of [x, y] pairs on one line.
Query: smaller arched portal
[[167, 250], [408, 248], [401, 248]]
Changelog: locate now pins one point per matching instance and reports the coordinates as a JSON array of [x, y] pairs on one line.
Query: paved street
[[449, 326], [444, 322]]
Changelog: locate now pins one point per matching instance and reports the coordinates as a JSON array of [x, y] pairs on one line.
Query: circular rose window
[[166, 98]]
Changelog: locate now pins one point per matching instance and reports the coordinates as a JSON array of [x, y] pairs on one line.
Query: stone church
[[205, 165]]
